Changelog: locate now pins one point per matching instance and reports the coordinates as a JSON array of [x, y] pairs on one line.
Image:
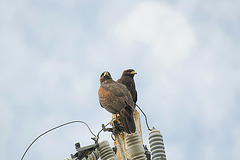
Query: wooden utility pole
[[120, 139]]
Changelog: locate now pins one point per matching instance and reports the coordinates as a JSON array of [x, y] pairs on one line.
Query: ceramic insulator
[[93, 156], [105, 151], [135, 146], [156, 145]]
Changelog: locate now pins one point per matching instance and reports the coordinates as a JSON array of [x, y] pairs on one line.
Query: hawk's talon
[[116, 119]]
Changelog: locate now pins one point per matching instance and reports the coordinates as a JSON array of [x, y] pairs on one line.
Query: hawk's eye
[[102, 74]]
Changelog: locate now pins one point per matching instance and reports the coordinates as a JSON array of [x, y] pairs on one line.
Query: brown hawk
[[117, 99], [128, 81]]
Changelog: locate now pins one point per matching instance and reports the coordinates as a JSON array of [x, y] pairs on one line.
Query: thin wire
[[54, 129], [102, 129], [144, 117]]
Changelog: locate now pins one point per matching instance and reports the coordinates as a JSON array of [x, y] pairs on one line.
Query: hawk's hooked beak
[[104, 74], [133, 72]]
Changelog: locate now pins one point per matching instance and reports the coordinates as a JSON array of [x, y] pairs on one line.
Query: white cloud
[[165, 31]]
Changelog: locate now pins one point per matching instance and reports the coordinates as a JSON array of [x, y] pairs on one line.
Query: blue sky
[[186, 54]]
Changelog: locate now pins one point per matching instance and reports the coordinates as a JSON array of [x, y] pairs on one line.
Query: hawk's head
[[129, 72], [105, 76]]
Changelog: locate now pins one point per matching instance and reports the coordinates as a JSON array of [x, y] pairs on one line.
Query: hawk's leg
[[117, 119], [117, 125]]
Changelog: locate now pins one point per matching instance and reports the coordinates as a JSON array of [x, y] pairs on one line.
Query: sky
[[186, 54]]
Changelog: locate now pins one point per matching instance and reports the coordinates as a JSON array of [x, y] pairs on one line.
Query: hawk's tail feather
[[126, 117]]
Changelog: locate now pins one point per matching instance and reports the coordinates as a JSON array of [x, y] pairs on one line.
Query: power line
[[145, 116], [54, 129]]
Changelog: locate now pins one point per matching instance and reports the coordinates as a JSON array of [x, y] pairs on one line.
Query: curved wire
[[54, 129], [102, 129], [144, 117]]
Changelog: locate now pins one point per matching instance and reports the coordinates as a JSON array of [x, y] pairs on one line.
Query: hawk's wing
[[130, 84], [114, 97]]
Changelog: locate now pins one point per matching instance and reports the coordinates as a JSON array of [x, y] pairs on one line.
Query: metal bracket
[[83, 152]]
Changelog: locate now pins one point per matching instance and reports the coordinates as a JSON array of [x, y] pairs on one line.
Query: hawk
[[128, 81], [117, 99]]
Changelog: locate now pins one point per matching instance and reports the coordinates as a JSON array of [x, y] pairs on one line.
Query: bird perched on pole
[[117, 99], [128, 81]]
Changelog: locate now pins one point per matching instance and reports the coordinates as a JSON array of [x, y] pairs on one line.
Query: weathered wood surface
[[120, 142]]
